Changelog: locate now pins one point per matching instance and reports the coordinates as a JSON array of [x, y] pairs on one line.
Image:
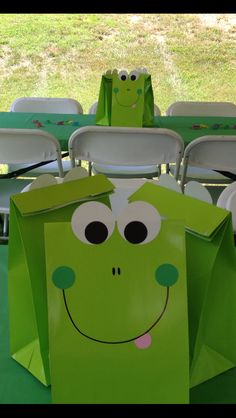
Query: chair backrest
[[214, 152], [46, 105], [114, 145], [93, 109], [190, 108], [29, 146]]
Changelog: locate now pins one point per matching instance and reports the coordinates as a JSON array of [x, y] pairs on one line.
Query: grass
[[64, 55]]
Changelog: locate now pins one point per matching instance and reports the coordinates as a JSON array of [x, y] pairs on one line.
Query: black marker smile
[[131, 105], [123, 341]]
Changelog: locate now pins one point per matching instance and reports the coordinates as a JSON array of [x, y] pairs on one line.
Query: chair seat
[[119, 171], [9, 187], [202, 174], [51, 168]]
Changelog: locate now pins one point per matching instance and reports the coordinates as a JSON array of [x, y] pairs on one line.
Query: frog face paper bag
[[126, 99], [117, 306]]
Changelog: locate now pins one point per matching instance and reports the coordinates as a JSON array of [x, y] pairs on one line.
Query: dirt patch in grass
[[225, 22]]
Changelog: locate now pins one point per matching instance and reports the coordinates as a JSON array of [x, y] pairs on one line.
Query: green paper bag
[[117, 305], [27, 277], [125, 99], [211, 277]]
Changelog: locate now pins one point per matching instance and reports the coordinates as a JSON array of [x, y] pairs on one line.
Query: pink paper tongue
[[144, 341]]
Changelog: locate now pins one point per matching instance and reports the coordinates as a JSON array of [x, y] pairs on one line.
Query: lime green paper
[[100, 298], [211, 277], [27, 282], [125, 102]]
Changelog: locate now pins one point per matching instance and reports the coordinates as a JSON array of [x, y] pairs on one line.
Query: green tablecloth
[[190, 127], [49, 122], [18, 386], [62, 126]]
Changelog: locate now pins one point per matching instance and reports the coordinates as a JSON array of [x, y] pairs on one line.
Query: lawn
[[190, 57]]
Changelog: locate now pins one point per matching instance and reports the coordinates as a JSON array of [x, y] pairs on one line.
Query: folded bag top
[[61, 195], [200, 217]]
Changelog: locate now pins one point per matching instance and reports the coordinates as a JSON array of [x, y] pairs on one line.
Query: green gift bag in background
[[117, 305], [26, 266], [211, 279], [125, 99]]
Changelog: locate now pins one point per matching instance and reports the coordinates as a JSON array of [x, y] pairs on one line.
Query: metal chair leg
[[5, 224]]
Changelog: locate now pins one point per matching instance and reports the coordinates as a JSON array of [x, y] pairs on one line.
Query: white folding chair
[[46, 105], [214, 152], [93, 109], [126, 152], [24, 146], [191, 108], [202, 108]]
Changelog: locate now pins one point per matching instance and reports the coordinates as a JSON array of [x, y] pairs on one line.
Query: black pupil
[[96, 232], [133, 77], [123, 77], [135, 232]]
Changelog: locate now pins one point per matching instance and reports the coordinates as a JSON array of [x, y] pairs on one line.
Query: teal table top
[[62, 126], [18, 386], [191, 127]]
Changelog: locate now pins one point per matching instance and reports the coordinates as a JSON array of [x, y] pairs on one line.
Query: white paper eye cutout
[[43, 181], [134, 75], [92, 222], [123, 75], [139, 223], [75, 173]]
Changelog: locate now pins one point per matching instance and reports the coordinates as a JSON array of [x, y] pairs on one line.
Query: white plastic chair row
[[93, 109], [191, 108]]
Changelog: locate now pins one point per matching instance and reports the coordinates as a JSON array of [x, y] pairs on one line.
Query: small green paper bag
[[211, 278], [27, 272], [125, 99], [117, 305]]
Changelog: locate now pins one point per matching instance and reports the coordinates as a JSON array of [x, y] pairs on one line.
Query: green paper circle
[[63, 277], [166, 275]]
